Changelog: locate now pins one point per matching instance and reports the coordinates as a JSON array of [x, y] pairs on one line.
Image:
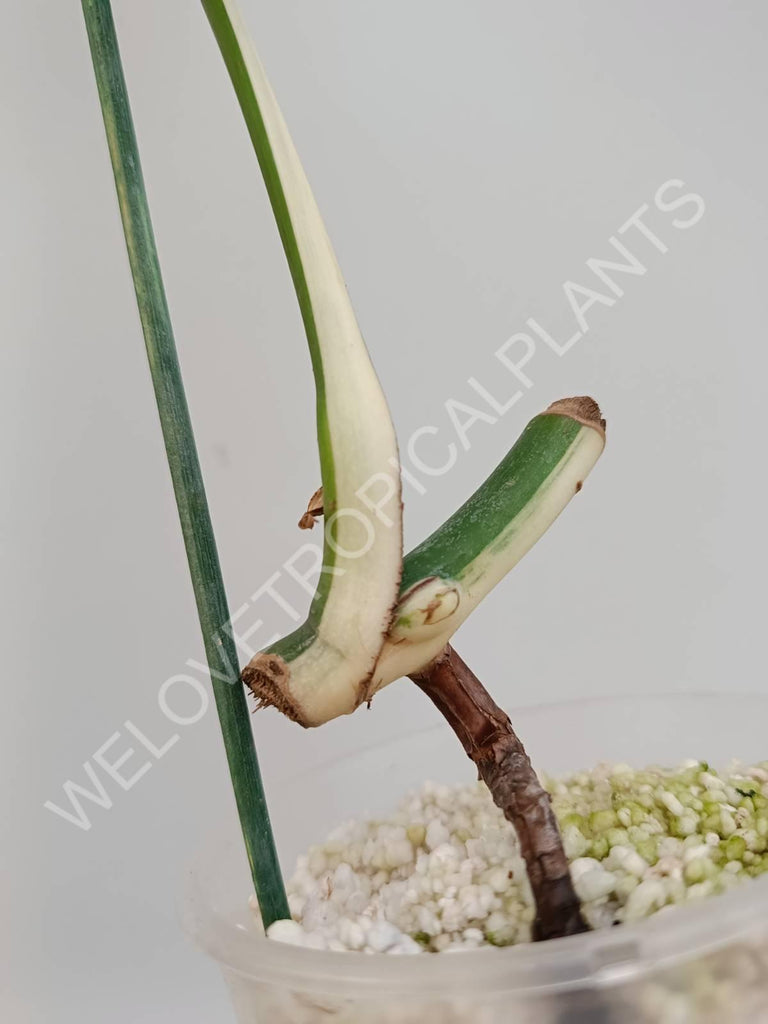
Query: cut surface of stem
[[488, 738], [184, 465]]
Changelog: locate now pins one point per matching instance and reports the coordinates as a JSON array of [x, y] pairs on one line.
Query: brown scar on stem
[[314, 510], [267, 676], [366, 693], [582, 408]]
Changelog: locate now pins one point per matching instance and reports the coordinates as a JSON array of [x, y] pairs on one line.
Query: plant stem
[[321, 670], [184, 465], [487, 736]]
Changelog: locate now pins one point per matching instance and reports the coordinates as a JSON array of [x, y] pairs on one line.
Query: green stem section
[[220, 19], [187, 478], [479, 526]]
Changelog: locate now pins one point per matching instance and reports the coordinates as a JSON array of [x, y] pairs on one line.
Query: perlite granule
[[444, 872]]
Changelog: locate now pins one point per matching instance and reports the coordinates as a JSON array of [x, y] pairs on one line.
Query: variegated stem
[[323, 669], [448, 575]]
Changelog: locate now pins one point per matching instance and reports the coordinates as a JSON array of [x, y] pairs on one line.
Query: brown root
[[488, 738]]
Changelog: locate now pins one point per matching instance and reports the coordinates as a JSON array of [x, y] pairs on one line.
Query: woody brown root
[[487, 736]]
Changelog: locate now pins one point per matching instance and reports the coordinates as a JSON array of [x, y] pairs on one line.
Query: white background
[[468, 158]]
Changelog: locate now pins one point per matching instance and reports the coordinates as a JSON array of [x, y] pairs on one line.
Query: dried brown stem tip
[[266, 676], [583, 409], [487, 736]]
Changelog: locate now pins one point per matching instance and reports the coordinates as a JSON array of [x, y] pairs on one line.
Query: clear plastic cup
[[704, 962]]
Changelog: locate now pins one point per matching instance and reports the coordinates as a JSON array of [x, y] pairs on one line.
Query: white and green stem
[[376, 617], [449, 574], [324, 667]]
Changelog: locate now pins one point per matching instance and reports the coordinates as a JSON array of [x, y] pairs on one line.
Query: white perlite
[[444, 872]]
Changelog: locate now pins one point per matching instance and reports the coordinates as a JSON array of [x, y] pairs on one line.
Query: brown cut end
[[267, 676], [314, 510], [583, 409]]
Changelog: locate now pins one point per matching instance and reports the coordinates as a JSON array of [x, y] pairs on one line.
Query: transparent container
[[701, 963]]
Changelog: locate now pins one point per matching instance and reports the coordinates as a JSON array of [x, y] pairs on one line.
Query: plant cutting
[[548, 860], [376, 616]]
